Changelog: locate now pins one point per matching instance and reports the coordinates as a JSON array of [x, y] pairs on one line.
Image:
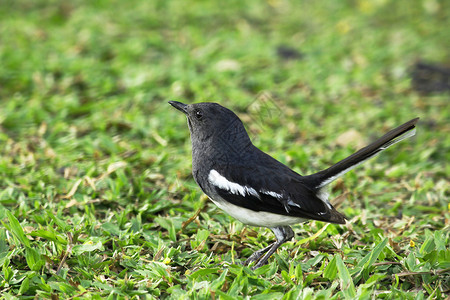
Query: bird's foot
[[256, 256]]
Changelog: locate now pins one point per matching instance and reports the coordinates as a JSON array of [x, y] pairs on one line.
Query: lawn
[[97, 199]]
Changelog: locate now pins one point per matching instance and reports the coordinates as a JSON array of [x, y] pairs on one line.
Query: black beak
[[180, 106]]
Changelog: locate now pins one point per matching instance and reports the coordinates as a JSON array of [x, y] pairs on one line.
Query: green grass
[[95, 182]]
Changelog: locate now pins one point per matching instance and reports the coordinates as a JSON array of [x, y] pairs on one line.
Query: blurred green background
[[95, 165]]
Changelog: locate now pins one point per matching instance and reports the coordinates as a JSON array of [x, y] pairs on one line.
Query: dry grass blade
[[66, 254]]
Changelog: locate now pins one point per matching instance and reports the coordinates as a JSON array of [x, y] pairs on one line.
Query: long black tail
[[322, 178]]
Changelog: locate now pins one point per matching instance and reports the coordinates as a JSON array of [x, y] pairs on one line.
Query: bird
[[257, 189]]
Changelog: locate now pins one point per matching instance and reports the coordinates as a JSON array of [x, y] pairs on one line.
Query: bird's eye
[[198, 114]]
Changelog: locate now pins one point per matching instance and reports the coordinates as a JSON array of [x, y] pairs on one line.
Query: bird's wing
[[272, 188]]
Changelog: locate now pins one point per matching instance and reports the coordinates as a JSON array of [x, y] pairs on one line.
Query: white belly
[[256, 218]]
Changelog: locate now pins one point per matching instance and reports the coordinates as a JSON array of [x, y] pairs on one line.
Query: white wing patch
[[222, 183], [292, 203], [280, 196], [273, 194]]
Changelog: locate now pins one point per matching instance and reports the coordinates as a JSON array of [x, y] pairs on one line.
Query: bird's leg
[[283, 234], [257, 255]]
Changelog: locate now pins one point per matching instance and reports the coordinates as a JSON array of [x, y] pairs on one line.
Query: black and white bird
[[255, 188]]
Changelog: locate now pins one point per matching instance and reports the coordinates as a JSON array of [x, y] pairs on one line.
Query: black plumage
[[257, 189]]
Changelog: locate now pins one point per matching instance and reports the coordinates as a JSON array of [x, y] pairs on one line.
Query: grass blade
[[364, 265], [347, 286], [17, 230]]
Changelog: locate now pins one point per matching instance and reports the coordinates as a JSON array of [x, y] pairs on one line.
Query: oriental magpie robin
[[257, 189]]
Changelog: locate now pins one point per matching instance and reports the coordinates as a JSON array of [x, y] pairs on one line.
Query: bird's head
[[211, 121]]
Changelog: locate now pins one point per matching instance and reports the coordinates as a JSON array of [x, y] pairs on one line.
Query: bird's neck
[[228, 146]]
